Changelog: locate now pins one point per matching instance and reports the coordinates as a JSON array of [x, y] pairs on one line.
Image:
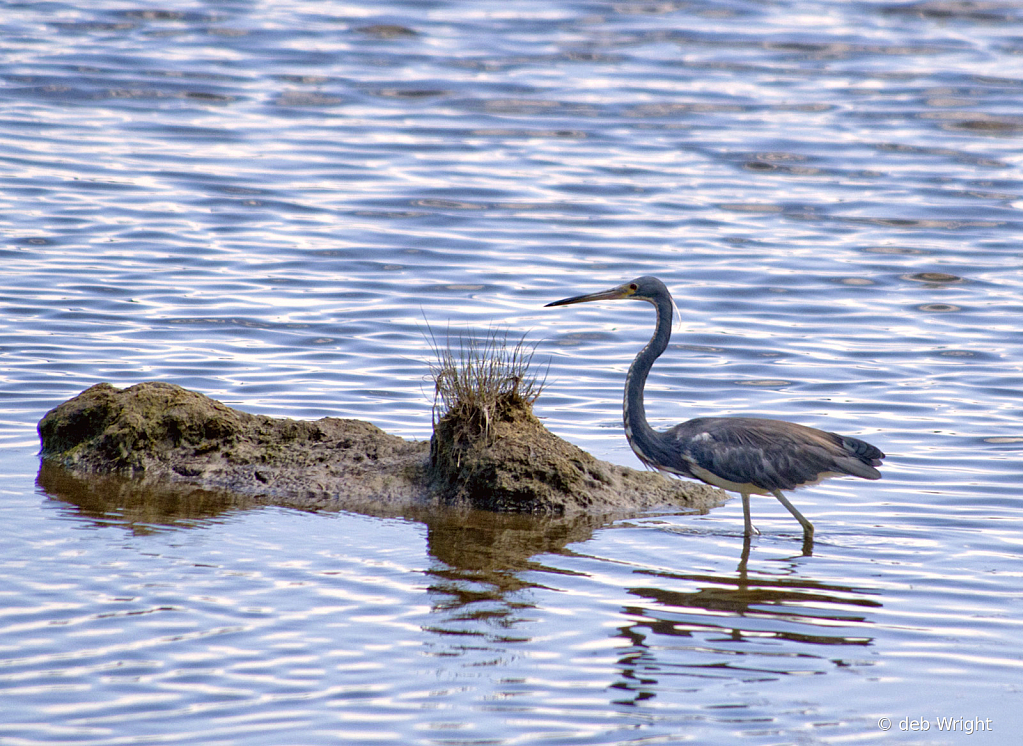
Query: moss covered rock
[[159, 432], [512, 463]]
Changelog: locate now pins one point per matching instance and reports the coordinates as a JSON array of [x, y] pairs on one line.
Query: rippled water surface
[[263, 201]]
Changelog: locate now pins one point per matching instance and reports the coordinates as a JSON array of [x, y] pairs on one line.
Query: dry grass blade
[[478, 377]]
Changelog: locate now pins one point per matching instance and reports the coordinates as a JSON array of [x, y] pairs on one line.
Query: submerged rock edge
[[160, 433]]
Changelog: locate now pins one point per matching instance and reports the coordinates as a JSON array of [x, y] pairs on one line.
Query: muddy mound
[[161, 433], [512, 463]]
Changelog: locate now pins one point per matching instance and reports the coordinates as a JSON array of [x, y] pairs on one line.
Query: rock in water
[[514, 464], [159, 432]]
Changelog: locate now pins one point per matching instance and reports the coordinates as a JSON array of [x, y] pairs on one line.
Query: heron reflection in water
[[748, 455]]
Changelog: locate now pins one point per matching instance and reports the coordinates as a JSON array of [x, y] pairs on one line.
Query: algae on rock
[[158, 431], [488, 451]]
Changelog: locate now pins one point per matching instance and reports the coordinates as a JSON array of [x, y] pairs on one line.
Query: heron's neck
[[645, 441]]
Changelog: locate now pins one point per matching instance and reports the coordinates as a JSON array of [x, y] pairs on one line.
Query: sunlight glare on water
[[268, 203]]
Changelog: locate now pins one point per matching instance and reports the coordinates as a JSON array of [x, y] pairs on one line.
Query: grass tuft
[[477, 378]]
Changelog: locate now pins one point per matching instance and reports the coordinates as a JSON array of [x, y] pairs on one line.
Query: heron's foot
[[751, 530]]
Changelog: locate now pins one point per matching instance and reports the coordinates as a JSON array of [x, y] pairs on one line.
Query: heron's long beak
[[622, 291]]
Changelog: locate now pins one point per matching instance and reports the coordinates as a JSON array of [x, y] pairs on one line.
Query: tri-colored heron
[[748, 455]]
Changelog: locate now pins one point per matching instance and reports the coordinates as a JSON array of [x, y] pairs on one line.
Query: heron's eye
[[633, 286]]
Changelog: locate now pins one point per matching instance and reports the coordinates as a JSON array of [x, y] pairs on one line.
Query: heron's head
[[647, 288]]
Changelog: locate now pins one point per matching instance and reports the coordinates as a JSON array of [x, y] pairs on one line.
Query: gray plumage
[[772, 454], [748, 455]]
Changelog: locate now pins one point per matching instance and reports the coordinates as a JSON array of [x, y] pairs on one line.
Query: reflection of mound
[[140, 505], [479, 556], [159, 433], [482, 557]]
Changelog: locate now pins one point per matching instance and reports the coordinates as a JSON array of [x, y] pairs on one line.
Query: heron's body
[[748, 455]]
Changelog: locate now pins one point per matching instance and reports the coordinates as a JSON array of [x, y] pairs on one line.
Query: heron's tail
[[864, 457]]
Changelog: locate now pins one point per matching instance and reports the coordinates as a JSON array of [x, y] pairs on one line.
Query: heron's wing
[[770, 454]]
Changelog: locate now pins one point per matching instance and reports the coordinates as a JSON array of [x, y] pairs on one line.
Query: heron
[[748, 455]]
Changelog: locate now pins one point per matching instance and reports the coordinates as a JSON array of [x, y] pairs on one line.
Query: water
[[263, 202]]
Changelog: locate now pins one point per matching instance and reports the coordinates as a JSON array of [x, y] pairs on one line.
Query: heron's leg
[[807, 526], [743, 561], [807, 544], [745, 515]]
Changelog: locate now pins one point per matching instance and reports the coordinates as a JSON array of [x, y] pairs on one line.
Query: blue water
[[267, 203]]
